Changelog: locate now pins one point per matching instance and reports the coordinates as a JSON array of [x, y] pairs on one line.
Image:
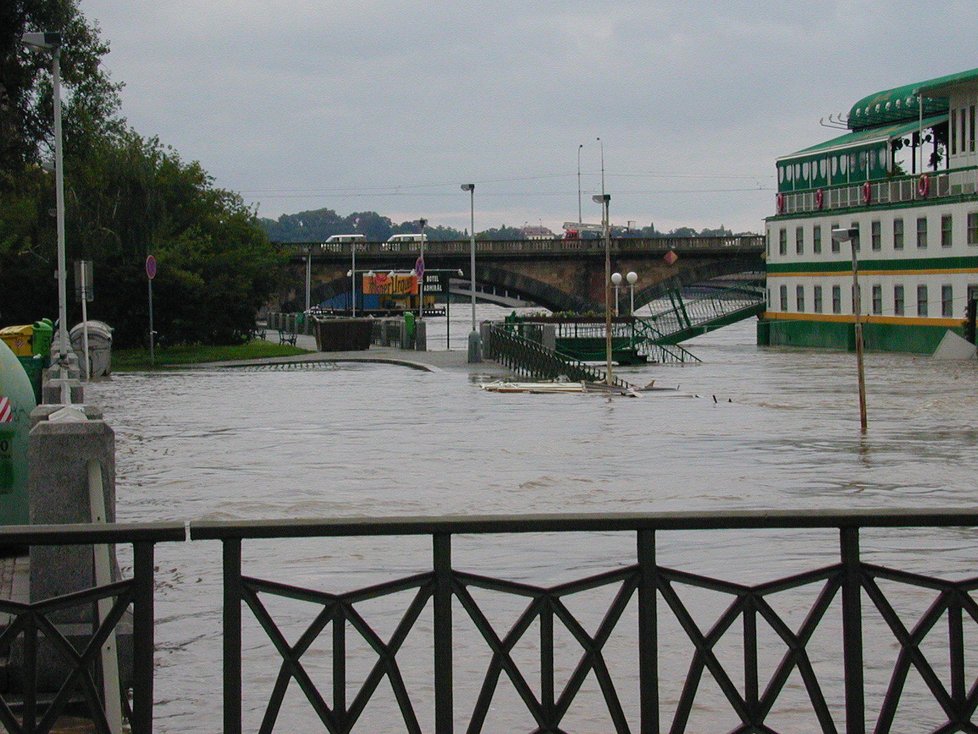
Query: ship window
[[843, 164], [821, 163], [961, 125], [946, 230], [799, 240], [971, 128], [787, 172], [973, 291], [798, 170], [954, 133], [800, 298], [877, 299], [836, 299], [780, 174], [947, 301], [875, 233], [835, 165], [973, 228], [818, 299], [783, 293], [898, 233], [921, 232], [782, 241], [921, 300], [898, 300], [817, 239], [835, 242]]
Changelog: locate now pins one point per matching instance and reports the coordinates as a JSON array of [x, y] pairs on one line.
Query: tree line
[[126, 196]]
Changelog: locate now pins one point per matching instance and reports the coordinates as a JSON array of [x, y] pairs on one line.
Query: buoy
[[16, 404]]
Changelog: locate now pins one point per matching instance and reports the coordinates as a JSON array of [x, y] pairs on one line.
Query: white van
[[334, 243], [395, 241]]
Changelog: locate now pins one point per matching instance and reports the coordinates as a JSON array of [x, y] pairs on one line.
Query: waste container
[[43, 336], [20, 339], [16, 403], [99, 348]]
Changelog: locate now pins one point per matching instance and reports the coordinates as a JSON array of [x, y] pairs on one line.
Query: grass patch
[[129, 360]]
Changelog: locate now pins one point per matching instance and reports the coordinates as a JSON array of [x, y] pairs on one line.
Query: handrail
[[531, 358], [32, 620], [443, 598]]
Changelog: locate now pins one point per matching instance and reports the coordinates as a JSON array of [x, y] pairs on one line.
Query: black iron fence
[[842, 591]]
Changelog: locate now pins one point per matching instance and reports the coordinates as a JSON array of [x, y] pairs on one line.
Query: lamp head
[[468, 187], [41, 40], [616, 278], [632, 277], [601, 198], [845, 235]]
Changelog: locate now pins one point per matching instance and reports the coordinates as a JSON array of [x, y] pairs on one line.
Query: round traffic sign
[[150, 267]]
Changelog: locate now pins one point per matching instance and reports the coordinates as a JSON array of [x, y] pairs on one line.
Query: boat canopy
[[901, 103], [845, 158]]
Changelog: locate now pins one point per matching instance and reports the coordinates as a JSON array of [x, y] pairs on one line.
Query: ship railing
[[849, 639], [902, 189]]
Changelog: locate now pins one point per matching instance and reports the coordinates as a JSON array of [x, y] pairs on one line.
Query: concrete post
[[549, 337], [420, 335], [61, 444]]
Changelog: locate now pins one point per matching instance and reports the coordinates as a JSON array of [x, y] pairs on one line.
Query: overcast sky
[[388, 106]]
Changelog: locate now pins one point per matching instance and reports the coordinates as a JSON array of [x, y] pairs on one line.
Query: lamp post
[[353, 276], [52, 41], [419, 267], [616, 282], [851, 235], [475, 345], [604, 200], [580, 217], [632, 279]]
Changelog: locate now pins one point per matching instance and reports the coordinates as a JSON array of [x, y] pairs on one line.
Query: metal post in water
[[852, 236]]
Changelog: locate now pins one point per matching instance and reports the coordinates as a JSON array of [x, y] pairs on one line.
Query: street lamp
[[851, 236], [605, 200], [419, 267], [632, 279], [475, 346], [616, 282], [52, 41], [580, 217]]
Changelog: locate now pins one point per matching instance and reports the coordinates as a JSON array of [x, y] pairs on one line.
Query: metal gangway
[[705, 308]]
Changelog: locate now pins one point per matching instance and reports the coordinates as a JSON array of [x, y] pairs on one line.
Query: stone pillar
[[61, 443], [421, 336]]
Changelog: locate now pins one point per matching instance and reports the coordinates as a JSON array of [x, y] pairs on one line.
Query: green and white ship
[[905, 175]]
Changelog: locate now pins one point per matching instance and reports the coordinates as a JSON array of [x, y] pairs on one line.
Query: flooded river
[[760, 428]]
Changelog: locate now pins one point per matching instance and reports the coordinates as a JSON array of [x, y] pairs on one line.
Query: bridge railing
[[620, 245], [829, 647]]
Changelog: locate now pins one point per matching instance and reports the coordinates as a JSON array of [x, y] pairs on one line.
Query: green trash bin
[[33, 366], [43, 334]]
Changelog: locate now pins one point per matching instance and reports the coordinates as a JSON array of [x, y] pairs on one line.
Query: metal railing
[[959, 182], [29, 621], [532, 359], [660, 594], [619, 245]]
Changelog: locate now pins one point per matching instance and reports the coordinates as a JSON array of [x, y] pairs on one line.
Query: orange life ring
[[923, 184], [819, 199], [867, 193], [780, 200]]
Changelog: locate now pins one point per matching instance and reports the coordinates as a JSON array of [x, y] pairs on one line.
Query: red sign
[[419, 267], [670, 257], [150, 267]]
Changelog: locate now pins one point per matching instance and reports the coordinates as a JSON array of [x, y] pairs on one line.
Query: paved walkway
[[431, 361]]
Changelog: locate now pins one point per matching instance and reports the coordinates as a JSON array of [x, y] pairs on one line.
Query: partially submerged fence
[[838, 590]]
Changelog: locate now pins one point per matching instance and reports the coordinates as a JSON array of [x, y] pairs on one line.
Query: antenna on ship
[[840, 122]]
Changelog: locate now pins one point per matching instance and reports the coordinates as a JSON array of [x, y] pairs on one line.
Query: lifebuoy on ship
[[780, 201], [819, 199], [867, 193], [923, 184]]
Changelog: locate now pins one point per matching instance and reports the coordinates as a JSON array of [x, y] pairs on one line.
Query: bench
[[287, 337]]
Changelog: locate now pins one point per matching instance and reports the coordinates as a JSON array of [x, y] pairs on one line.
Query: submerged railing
[[658, 592], [645, 598]]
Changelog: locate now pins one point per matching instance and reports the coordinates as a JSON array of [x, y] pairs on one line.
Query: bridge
[[560, 275]]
